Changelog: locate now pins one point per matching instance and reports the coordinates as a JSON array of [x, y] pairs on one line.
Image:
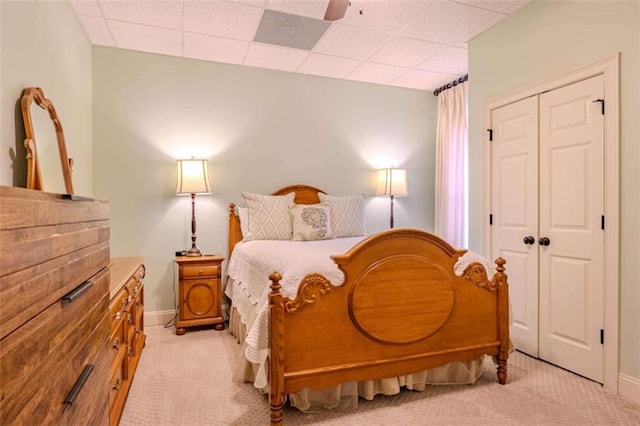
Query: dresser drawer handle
[[118, 315], [116, 385], [77, 292], [116, 343], [77, 387], [130, 319]]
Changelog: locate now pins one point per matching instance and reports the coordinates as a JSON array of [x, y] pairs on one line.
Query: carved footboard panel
[[401, 309]]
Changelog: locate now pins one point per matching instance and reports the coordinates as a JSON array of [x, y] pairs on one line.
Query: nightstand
[[199, 294]]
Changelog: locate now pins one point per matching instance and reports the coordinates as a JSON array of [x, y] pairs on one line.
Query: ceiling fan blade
[[336, 10]]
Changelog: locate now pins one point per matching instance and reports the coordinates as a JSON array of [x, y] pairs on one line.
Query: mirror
[[48, 167]]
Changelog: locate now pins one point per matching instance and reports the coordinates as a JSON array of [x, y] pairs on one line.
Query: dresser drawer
[[57, 346], [94, 393], [118, 306], [117, 341], [199, 271], [117, 381]]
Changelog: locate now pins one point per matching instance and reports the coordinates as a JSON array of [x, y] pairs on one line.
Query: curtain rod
[[450, 85]]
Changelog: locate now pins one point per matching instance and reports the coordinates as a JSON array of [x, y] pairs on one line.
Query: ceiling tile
[[449, 23], [276, 58], [96, 30], [451, 60], [309, 8], [328, 66], [502, 6], [384, 15], [215, 49], [376, 73], [86, 7], [406, 52], [254, 3], [222, 19], [407, 43], [166, 14], [350, 42], [422, 80], [146, 39]]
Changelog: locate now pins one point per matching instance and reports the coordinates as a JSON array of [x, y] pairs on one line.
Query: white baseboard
[[629, 387], [163, 317], [158, 317]]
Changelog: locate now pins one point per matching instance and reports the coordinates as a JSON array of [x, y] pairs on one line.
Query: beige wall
[[260, 130], [43, 45], [544, 39]]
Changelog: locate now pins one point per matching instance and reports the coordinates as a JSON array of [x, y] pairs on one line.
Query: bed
[[402, 306]]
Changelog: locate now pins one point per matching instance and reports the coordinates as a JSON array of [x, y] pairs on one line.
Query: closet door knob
[[529, 239], [544, 241]]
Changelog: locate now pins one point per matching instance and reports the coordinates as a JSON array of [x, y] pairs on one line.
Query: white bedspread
[[251, 264]]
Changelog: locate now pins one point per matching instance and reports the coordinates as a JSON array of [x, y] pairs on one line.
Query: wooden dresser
[[126, 336], [54, 299]]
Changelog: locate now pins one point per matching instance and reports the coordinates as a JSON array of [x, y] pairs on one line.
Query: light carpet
[[187, 380]]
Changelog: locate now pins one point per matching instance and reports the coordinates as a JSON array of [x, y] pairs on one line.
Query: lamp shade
[[392, 181], [193, 177]]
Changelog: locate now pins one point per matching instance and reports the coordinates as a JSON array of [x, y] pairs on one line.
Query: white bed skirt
[[344, 397]]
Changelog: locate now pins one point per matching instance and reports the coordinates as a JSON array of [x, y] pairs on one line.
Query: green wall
[[260, 130]]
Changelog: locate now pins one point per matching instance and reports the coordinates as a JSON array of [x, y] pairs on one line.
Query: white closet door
[[514, 207], [571, 207]]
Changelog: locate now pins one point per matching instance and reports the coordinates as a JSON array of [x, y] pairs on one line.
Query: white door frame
[[610, 69]]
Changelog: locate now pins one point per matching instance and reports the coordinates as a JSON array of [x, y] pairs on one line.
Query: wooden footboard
[[400, 310]]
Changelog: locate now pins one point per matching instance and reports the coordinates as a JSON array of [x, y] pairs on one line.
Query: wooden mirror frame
[[34, 173]]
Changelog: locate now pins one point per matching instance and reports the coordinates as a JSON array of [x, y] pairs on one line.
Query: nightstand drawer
[[199, 271]]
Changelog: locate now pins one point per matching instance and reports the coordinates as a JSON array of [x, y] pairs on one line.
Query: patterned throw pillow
[[268, 216], [311, 221], [347, 215], [243, 216]]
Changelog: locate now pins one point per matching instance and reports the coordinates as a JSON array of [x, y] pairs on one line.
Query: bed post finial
[[275, 278]]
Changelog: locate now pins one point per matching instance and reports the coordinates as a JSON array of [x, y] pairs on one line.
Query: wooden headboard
[[305, 194]]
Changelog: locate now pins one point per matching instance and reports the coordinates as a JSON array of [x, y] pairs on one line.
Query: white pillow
[[310, 221], [268, 216], [243, 217], [347, 214]]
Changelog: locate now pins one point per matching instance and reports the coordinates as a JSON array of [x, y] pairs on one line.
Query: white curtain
[[452, 137]]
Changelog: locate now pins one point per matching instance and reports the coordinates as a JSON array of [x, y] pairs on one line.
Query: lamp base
[[192, 252]]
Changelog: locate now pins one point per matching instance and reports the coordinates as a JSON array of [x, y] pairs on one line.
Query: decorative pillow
[[268, 216], [347, 214], [310, 221], [243, 216]]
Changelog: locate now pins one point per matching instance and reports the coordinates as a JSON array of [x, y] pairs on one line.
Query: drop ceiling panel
[[452, 60], [309, 8], [449, 23], [406, 52], [97, 30], [376, 73], [214, 49], [166, 14], [350, 42], [417, 44], [422, 80], [222, 18], [275, 58], [388, 16], [328, 66], [146, 39]]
